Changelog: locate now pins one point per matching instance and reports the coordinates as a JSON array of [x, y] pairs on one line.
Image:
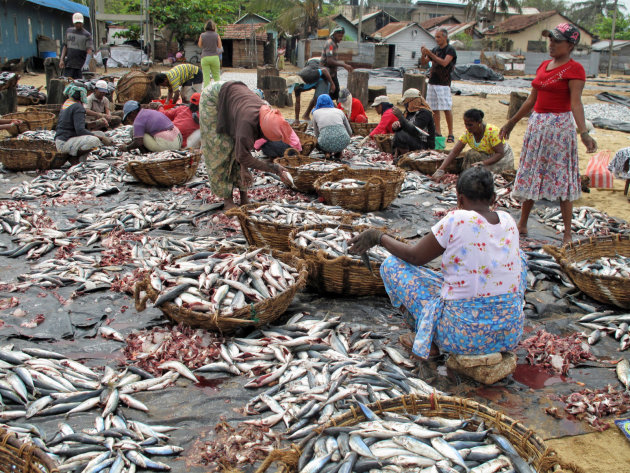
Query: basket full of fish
[[269, 225], [363, 190], [305, 170], [224, 290], [598, 266], [30, 155], [419, 433], [428, 161], [165, 168], [307, 141], [332, 269]]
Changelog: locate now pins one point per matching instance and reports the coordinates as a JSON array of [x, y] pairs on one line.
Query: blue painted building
[[22, 21]]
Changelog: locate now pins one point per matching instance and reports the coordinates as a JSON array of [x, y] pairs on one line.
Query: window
[[413, 54], [15, 30], [434, 15], [30, 30]]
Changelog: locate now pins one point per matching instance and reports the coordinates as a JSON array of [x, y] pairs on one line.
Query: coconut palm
[[296, 17], [489, 8], [587, 12]]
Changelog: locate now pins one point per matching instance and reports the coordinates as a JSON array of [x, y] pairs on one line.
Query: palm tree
[[587, 12], [296, 17], [489, 8]]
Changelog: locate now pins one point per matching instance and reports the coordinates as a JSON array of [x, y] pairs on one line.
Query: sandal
[[450, 139]]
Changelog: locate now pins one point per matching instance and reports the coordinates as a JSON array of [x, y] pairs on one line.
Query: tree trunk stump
[[358, 86], [374, 91], [263, 72], [415, 81], [516, 100], [51, 66], [8, 100], [55, 92]]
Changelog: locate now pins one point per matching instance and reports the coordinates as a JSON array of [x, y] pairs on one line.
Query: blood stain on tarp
[[536, 377], [210, 385]]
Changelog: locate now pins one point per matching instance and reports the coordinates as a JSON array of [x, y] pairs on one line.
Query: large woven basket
[[302, 126], [303, 179], [607, 289], [527, 443], [54, 108], [384, 142], [307, 141], [165, 172], [429, 167], [30, 155], [132, 86], [261, 313], [381, 188], [342, 275], [18, 457], [362, 129], [33, 120], [270, 234]]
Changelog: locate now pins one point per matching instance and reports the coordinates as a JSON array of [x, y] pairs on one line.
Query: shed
[[405, 38], [621, 47], [374, 21], [525, 31], [23, 21], [244, 44]]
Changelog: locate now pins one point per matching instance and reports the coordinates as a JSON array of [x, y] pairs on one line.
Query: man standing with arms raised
[[330, 59], [77, 45], [443, 59]]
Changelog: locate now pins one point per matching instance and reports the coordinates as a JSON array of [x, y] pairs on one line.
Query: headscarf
[[417, 103], [71, 89], [324, 101], [274, 126]]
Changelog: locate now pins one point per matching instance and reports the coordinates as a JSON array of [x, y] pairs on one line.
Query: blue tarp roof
[[64, 5]]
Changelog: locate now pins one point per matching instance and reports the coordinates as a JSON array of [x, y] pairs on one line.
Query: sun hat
[[101, 86], [380, 99], [410, 94], [77, 18], [129, 107]]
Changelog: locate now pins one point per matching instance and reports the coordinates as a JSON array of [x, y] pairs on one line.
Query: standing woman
[[211, 46], [331, 127], [549, 165]]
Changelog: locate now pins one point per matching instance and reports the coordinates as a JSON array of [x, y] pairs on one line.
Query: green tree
[[547, 5], [123, 7], [603, 27], [587, 12], [295, 17], [489, 8]]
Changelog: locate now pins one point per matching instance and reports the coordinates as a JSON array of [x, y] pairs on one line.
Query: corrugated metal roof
[[371, 15], [64, 5], [439, 20], [604, 45], [452, 29]]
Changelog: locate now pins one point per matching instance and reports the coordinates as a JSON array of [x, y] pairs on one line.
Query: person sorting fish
[[312, 76], [186, 120], [151, 129], [475, 305], [383, 107], [487, 148], [184, 77], [352, 107], [72, 136], [331, 127], [232, 118], [276, 149], [6, 124], [415, 129], [97, 110]]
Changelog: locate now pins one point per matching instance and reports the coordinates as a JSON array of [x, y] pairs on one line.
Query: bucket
[[477, 61], [46, 54]]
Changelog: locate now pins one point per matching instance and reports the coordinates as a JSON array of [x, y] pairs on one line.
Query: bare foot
[[305, 117], [228, 204], [567, 238], [522, 230]]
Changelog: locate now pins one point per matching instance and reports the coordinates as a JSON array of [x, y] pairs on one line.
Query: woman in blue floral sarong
[[475, 305]]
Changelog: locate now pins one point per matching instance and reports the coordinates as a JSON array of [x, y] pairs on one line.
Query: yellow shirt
[[489, 140], [180, 74]]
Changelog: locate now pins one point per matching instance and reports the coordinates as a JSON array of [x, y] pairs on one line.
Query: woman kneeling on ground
[[475, 305], [151, 129], [487, 149]]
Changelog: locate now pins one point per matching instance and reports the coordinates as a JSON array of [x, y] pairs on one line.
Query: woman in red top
[[549, 165]]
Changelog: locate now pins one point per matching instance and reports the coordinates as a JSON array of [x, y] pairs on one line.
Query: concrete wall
[[620, 64], [243, 53], [426, 12], [408, 43]]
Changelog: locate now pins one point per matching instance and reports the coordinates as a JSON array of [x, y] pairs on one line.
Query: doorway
[[228, 50], [391, 57]]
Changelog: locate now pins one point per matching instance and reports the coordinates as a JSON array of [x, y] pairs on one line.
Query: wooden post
[[516, 100], [415, 81], [55, 91], [374, 91], [8, 100], [358, 86], [263, 72], [51, 66]]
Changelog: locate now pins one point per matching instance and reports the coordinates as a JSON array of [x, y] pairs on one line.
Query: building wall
[[426, 12], [375, 23], [17, 39], [408, 43], [351, 30], [242, 53]]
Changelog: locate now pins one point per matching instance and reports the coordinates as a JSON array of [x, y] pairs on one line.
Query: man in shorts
[[443, 59]]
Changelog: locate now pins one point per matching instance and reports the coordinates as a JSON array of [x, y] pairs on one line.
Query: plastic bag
[[597, 170]]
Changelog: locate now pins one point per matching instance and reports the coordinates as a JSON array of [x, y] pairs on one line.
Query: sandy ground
[[606, 452]]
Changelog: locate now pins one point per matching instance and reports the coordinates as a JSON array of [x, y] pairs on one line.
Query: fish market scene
[[314, 237]]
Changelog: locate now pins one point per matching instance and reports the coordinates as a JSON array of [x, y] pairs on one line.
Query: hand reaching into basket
[[365, 240]]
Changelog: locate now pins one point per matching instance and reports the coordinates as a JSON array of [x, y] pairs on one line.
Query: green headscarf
[[71, 89]]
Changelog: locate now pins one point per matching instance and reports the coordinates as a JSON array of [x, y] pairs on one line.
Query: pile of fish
[[320, 166], [401, 442], [120, 135], [428, 155], [32, 93], [221, 282], [543, 266], [296, 214], [586, 221], [162, 155], [345, 184], [365, 154], [334, 242], [602, 323], [555, 353], [593, 404], [38, 383], [38, 135], [618, 266], [6, 77]]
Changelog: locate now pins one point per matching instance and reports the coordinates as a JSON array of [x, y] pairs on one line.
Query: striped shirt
[[181, 74]]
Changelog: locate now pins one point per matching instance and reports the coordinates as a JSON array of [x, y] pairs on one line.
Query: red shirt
[[182, 118], [553, 86], [357, 109], [385, 125]]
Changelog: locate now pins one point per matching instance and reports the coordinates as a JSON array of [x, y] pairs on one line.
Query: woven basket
[[54, 108], [299, 126], [381, 188], [18, 457], [429, 167], [526, 442], [132, 86], [30, 155], [362, 129], [384, 142], [307, 141], [272, 235], [165, 172], [341, 275], [261, 313], [32, 121], [303, 179], [607, 289]]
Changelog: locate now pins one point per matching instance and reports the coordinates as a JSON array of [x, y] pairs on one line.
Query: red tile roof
[[243, 31], [391, 28], [439, 20], [519, 23]]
